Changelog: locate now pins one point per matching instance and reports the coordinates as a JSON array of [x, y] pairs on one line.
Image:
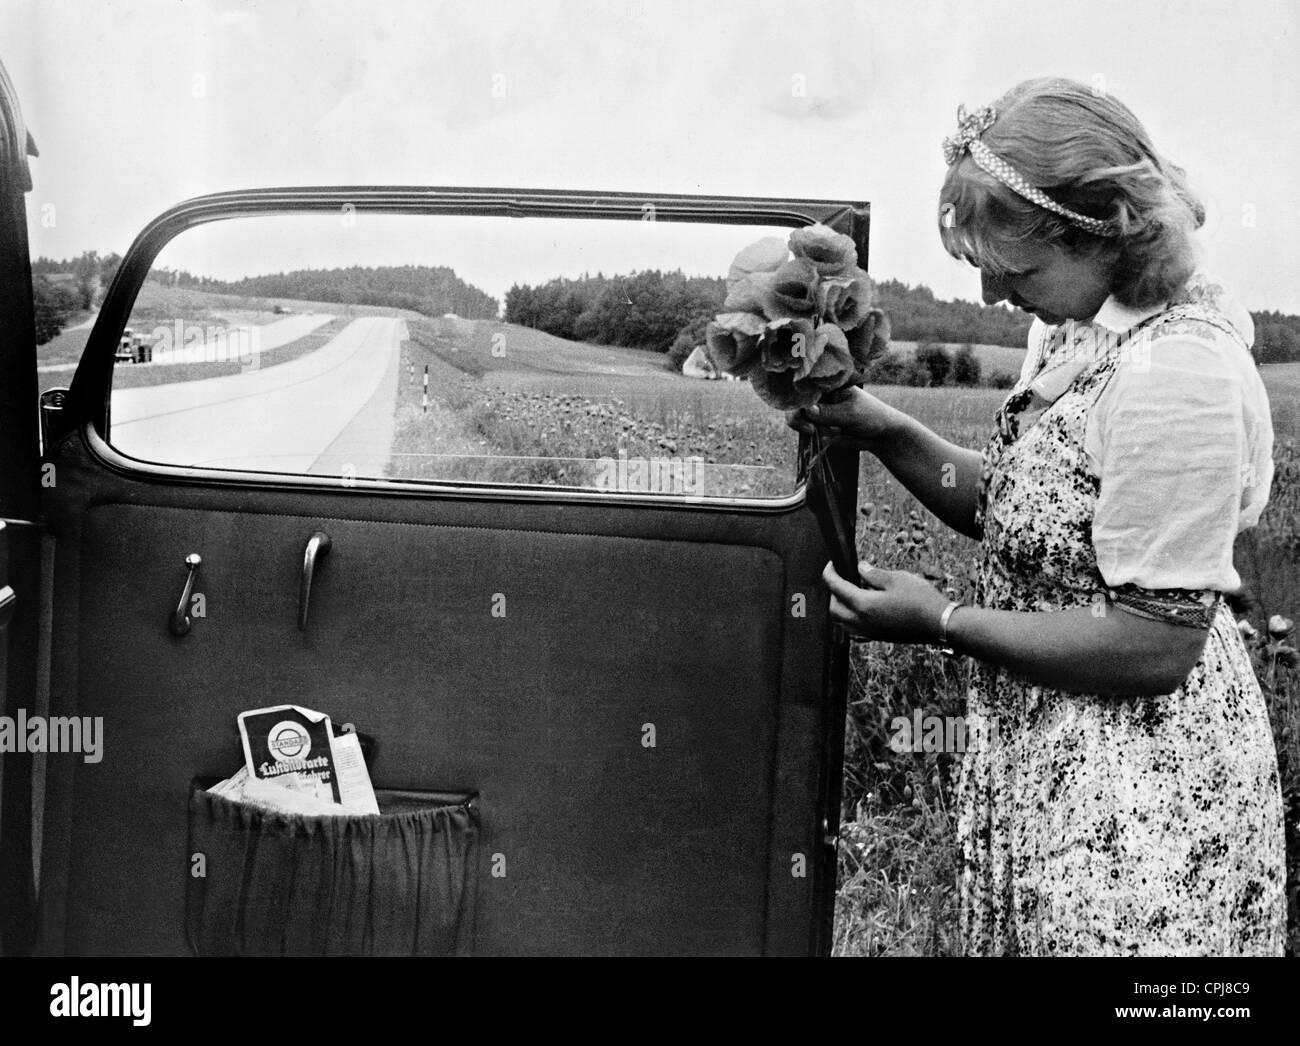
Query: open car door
[[604, 714], [20, 539]]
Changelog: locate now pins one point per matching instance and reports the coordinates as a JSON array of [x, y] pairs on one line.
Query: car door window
[[447, 349]]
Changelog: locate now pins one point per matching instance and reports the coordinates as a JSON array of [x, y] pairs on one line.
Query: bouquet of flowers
[[797, 319]]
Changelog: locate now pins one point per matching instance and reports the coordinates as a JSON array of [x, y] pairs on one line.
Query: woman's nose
[[993, 289]]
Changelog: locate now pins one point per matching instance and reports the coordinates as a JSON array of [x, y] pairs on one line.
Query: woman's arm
[[1111, 652], [941, 475], [1102, 650]]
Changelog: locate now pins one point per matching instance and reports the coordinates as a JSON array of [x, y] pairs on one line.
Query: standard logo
[[288, 740]]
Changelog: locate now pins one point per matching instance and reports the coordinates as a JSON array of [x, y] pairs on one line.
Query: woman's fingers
[[857, 600], [844, 590], [873, 577], [798, 420], [860, 617], [809, 419]]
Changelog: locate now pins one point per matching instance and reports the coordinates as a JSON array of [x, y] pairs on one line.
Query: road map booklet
[[294, 749]]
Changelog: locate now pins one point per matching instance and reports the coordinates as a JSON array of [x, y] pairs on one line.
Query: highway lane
[[307, 415]]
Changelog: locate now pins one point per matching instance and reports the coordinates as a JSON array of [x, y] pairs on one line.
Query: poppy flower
[[732, 341], [844, 300], [831, 253], [792, 292], [750, 276], [800, 363]]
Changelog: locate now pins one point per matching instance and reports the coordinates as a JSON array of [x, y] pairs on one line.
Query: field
[[512, 404], [538, 412]]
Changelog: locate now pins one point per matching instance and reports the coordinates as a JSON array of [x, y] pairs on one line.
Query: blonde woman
[[1128, 800]]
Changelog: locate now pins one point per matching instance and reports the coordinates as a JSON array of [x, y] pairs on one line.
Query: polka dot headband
[[967, 139]]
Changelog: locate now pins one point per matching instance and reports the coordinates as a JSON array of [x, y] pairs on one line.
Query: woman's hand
[[1074, 649], [941, 475], [857, 416], [895, 606]]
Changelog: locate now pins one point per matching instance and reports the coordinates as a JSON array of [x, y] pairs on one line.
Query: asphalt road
[[221, 344], [329, 412]]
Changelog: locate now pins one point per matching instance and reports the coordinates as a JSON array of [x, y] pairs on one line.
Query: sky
[[138, 104]]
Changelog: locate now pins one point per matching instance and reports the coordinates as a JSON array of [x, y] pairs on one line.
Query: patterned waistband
[[1177, 606]]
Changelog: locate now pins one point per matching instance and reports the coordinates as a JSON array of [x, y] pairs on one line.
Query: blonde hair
[[1088, 152]]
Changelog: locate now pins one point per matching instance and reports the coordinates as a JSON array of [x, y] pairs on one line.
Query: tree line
[[429, 289], [667, 312], [645, 310], [60, 289], [651, 309], [1277, 337], [916, 315]]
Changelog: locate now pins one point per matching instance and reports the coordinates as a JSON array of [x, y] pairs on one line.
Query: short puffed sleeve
[[1181, 441]]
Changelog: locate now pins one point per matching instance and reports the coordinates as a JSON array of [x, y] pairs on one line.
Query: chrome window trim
[[114, 459]]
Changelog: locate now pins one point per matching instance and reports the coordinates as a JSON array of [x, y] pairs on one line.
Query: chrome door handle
[[317, 545], [179, 624]]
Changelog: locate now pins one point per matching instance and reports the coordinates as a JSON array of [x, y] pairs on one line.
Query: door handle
[[179, 623], [317, 545], [8, 600]]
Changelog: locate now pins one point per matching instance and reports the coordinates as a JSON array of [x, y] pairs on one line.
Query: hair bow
[[969, 127]]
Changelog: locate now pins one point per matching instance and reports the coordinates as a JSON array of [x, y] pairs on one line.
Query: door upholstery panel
[[617, 619]]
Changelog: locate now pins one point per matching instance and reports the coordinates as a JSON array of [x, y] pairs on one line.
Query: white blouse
[[1181, 439]]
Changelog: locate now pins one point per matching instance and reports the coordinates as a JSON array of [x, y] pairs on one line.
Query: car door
[[632, 700], [19, 534]]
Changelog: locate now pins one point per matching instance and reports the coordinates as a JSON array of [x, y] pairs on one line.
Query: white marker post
[[425, 400]]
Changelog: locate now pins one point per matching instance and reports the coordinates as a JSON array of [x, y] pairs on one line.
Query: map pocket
[[400, 883]]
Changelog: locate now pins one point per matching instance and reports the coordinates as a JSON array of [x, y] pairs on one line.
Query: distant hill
[[432, 290]]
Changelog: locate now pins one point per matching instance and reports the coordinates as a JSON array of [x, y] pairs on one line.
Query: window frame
[[88, 405]]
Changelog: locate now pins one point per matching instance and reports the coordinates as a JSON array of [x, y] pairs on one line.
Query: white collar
[[1119, 318], [1050, 383]]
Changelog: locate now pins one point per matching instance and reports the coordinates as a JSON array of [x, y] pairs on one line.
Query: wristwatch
[[945, 647]]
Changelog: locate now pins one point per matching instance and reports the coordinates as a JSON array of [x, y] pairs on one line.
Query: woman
[[1128, 800]]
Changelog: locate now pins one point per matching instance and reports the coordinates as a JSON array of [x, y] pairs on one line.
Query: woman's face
[[1053, 283]]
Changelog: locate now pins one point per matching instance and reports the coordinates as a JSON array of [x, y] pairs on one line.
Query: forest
[[431, 290]]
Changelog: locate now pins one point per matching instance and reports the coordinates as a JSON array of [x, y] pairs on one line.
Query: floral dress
[[1106, 825]]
